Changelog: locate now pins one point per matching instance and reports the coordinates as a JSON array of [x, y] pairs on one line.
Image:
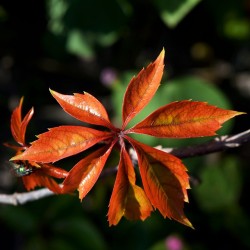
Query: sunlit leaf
[[127, 198], [25, 123], [39, 179], [85, 173], [53, 171], [61, 142], [164, 179], [141, 89], [18, 126], [184, 119], [84, 107], [16, 120], [91, 173]]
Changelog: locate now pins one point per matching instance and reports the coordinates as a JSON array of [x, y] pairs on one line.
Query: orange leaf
[[24, 124], [127, 199], [61, 142], [53, 171], [18, 126], [184, 119], [39, 179], [84, 107], [86, 172], [164, 179], [16, 120], [141, 89]]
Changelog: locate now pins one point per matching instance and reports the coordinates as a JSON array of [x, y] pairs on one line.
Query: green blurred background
[[97, 46]]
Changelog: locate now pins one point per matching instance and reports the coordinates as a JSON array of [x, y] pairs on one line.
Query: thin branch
[[218, 144], [22, 198]]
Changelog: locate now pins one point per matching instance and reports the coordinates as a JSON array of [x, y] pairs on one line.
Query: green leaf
[[237, 28], [85, 24], [160, 245], [56, 9], [173, 11], [231, 19], [14, 216], [220, 185], [79, 44], [60, 244], [81, 231], [36, 242]]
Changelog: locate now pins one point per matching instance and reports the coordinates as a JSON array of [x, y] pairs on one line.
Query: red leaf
[[16, 120], [39, 179], [84, 107], [18, 126], [53, 171], [184, 119], [141, 89], [85, 173], [164, 179], [24, 124], [61, 142], [127, 199]]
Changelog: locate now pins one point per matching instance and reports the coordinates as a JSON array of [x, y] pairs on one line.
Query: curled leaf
[[18, 125], [53, 171], [40, 179]]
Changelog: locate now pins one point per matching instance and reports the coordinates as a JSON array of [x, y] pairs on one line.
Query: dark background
[[97, 46]]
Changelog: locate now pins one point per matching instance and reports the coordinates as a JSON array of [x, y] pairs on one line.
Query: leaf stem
[[217, 144]]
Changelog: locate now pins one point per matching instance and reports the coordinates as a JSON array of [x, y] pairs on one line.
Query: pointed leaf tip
[[127, 199], [84, 107], [184, 119], [162, 54], [164, 179], [142, 88], [187, 223], [60, 142], [18, 124]]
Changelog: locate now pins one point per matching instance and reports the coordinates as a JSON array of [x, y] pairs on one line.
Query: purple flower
[[108, 76], [173, 243]]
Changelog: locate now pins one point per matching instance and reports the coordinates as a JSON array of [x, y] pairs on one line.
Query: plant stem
[[217, 144]]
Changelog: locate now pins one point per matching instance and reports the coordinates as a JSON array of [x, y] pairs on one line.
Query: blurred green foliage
[[173, 11], [73, 45], [221, 185], [231, 18], [82, 26]]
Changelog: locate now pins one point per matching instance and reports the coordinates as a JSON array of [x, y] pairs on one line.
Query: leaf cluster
[[163, 176]]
